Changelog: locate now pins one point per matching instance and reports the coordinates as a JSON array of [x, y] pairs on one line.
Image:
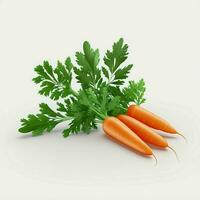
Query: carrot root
[[155, 159], [182, 136], [174, 153]]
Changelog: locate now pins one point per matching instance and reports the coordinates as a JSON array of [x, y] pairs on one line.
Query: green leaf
[[113, 59], [40, 70], [45, 109], [83, 118], [38, 79], [55, 83], [123, 73], [49, 69], [37, 124], [87, 73], [66, 132], [113, 71], [105, 72], [135, 92], [68, 64], [115, 101], [46, 120], [117, 82]]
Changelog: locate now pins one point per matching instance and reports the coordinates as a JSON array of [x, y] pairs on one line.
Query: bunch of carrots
[[102, 98], [135, 129]]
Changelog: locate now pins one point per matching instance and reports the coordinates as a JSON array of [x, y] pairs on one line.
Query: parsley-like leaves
[[135, 92], [114, 72], [46, 120], [88, 108], [102, 93], [88, 73], [55, 83]]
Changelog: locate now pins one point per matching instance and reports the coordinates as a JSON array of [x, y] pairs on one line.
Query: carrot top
[[102, 92]]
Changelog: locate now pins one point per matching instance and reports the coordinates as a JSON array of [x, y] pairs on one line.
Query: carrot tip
[[155, 159], [182, 136], [174, 153]]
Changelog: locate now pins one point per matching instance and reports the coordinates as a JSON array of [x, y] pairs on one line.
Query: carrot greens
[[101, 91]]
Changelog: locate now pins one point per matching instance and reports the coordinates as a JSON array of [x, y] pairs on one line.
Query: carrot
[[143, 131], [119, 131], [150, 119]]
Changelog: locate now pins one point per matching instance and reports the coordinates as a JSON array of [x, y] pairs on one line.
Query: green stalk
[[74, 92], [100, 115], [98, 121]]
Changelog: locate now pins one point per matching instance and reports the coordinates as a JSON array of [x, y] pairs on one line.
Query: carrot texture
[[143, 131], [119, 131], [150, 119]]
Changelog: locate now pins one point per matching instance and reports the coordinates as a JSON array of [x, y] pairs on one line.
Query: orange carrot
[[150, 119], [119, 131], [143, 131]]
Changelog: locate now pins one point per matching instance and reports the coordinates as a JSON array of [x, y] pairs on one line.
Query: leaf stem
[[61, 119], [124, 109], [101, 115], [99, 121], [74, 92]]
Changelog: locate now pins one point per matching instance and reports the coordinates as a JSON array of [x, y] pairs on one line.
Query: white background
[[164, 42]]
